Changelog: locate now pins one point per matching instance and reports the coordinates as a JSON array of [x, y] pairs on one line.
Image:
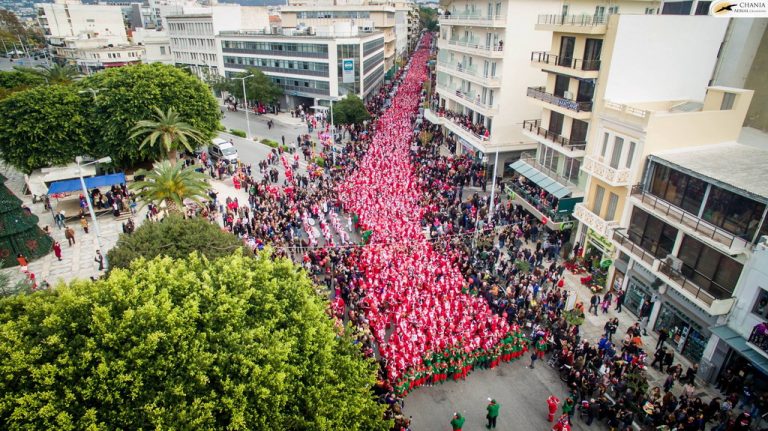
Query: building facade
[[156, 43], [314, 67]]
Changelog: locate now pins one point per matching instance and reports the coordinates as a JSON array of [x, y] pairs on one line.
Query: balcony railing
[[594, 221], [759, 337], [575, 20], [596, 166], [533, 161], [690, 220], [474, 18], [709, 296], [455, 119], [476, 45], [533, 127], [472, 71], [541, 94], [569, 62], [633, 248], [470, 96], [543, 208]]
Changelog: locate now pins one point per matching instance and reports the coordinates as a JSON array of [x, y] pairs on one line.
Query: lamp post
[[493, 187], [245, 104], [79, 160]]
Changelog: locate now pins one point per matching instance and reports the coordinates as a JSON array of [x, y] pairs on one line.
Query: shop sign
[[604, 244], [348, 70]]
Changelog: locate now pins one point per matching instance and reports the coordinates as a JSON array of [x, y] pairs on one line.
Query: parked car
[[224, 150]]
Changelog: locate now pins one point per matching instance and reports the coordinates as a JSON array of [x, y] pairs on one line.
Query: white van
[[224, 150]]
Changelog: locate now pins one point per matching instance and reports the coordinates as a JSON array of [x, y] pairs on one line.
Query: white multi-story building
[[313, 66], [367, 15], [193, 34], [156, 43]]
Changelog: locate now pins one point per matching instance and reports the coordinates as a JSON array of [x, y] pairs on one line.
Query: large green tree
[[15, 80], [428, 18], [175, 237], [44, 126], [54, 73], [259, 88], [350, 110], [127, 95], [238, 344]]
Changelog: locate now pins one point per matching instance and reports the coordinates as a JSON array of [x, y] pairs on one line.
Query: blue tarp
[[90, 183]]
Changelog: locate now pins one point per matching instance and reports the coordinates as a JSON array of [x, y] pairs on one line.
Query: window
[[709, 269], [605, 145], [579, 132], [162, 50], [677, 8], [630, 154], [586, 91], [651, 234], [555, 122], [727, 103], [598, 203], [678, 188], [650, 11], [572, 166], [599, 13], [735, 213], [592, 51], [613, 202], [618, 145], [567, 44], [561, 85], [702, 7], [760, 306]]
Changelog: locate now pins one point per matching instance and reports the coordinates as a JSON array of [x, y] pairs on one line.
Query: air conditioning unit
[[568, 95], [675, 263]]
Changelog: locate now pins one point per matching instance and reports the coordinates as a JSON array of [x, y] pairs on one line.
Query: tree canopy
[[428, 18], [169, 132], [350, 110], [15, 80], [174, 237], [43, 126], [171, 184], [259, 88], [238, 343], [127, 95]]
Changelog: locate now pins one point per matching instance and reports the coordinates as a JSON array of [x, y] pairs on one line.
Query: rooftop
[[731, 163]]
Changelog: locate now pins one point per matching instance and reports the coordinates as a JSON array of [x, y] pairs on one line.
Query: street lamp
[[93, 91], [79, 160], [493, 187], [333, 127], [245, 99]]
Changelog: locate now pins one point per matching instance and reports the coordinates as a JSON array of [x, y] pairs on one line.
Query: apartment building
[[156, 43], [367, 15], [414, 27], [193, 34], [314, 66], [89, 37], [627, 56]]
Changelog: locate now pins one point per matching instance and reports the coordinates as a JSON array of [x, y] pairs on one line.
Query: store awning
[[541, 179], [739, 343], [73, 184]]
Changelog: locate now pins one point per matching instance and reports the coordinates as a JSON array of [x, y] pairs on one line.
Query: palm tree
[[55, 73], [169, 132], [170, 183]]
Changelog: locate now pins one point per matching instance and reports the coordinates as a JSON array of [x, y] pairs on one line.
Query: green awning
[[541, 179], [739, 344]]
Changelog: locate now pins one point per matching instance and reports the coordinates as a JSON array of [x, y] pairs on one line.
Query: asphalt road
[[251, 152], [7, 64]]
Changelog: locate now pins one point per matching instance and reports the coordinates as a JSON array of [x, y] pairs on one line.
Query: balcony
[[540, 210], [597, 167], [473, 20], [478, 141], [471, 47], [716, 300], [579, 24], [626, 113], [565, 65], [595, 222], [533, 130], [469, 73], [758, 339], [718, 238], [469, 98], [647, 259], [553, 175], [565, 106]]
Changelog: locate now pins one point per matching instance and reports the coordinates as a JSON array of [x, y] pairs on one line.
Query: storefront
[[685, 335], [637, 292], [598, 251]]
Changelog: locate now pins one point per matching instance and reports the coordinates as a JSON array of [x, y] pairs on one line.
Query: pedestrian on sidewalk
[[493, 413], [22, 261], [552, 403], [69, 234], [457, 422], [59, 218], [99, 259], [84, 223], [663, 336], [619, 300], [57, 250], [594, 302], [645, 314]]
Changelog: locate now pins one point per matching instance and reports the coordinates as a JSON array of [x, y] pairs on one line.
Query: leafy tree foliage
[[43, 126], [55, 73], [237, 343], [428, 18], [171, 184], [174, 237], [127, 95], [12, 81], [259, 88], [350, 110], [169, 132]]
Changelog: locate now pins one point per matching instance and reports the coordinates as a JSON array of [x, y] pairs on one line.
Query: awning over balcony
[[739, 343], [541, 179]]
